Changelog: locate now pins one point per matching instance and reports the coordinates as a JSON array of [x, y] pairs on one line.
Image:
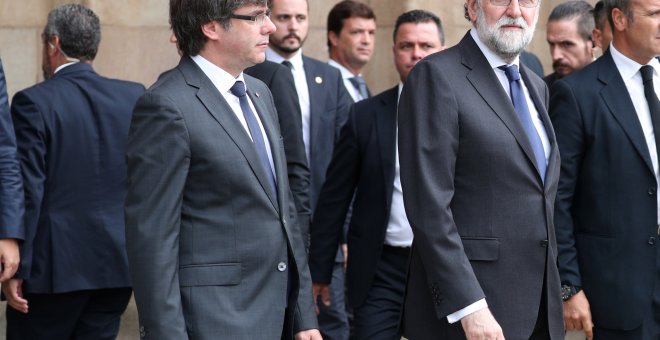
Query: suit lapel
[[541, 106], [216, 105], [616, 97], [483, 78], [385, 119], [273, 138]]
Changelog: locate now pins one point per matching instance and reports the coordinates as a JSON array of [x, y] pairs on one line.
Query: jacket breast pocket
[[481, 248], [221, 274]]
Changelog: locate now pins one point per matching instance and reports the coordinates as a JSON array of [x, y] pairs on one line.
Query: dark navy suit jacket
[[606, 208], [72, 132], [364, 160], [329, 105], [11, 190]]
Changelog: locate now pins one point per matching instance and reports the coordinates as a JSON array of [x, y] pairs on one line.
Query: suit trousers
[[80, 315], [377, 318], [333, 321]]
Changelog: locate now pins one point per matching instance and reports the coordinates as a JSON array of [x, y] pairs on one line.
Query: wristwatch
[[567, 291]]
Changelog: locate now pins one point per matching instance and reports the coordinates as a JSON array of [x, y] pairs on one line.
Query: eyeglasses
[[521, 3], [258, 19]]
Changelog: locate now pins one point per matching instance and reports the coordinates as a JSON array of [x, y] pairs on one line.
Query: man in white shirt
[[366, 162], [324, 104], [351, 39]]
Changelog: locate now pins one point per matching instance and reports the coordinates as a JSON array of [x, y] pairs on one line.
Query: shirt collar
[[222, 80], [345, 73], [493, 59], [61, 67], [295, 60], [627, 67]]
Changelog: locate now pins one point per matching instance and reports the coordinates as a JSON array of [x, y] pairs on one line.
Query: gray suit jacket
[[481, 215], [211, 248]]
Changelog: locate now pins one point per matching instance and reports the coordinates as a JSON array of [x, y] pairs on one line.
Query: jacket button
[[651, 191], [544, 243], [651, 240], [281, 266]]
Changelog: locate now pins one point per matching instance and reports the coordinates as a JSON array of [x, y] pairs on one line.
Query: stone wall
[[135, 46], [135, 35]]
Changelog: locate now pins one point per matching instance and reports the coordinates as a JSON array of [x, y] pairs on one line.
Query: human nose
[[556, 53], [513, 10], [417, 53], [269, 25]]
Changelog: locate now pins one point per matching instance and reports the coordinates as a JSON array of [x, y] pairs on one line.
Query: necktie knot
[[287, 64], [511, 72], [647, 74], [360, 85], [238, 89], [357, 81]]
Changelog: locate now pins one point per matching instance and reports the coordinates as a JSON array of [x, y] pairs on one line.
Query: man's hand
[[344, 250], [309, 334], [481, 325], [13, 290], [323, 290], [577, 314], [9, 257]]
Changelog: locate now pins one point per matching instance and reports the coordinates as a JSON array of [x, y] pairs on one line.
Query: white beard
[[506, 44]]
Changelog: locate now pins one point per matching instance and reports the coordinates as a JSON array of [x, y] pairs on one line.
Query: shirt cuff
[[457, 316]]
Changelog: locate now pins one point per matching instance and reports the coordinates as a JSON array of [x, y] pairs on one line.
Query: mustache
[[292, 35], [519, 21], [558, 64]]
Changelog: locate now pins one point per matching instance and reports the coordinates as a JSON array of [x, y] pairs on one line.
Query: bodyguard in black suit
[[607, 120], [11, 189], [73, 280], [365, 161], [281, 85], [324, 104]]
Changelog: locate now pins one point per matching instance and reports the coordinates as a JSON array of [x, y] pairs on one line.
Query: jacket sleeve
[[158, 158], [11, 188]]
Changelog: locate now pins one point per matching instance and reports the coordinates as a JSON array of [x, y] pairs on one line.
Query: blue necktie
[[238, 90], [520, 104], [360, 85]]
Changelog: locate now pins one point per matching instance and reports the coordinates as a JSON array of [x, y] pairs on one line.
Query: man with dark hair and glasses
[[213, 241], [479, 171]]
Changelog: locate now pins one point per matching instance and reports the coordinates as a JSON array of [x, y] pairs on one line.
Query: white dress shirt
[[398, 233], [300, 80], [223, 81], [632, 78]]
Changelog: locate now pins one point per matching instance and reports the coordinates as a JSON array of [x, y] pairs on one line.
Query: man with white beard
[[479, 171]]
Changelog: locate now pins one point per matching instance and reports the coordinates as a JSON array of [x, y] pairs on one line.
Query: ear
[[596, 37], [334, 39], [212, 30], [53, 46], [472, 10], [620, 20]]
